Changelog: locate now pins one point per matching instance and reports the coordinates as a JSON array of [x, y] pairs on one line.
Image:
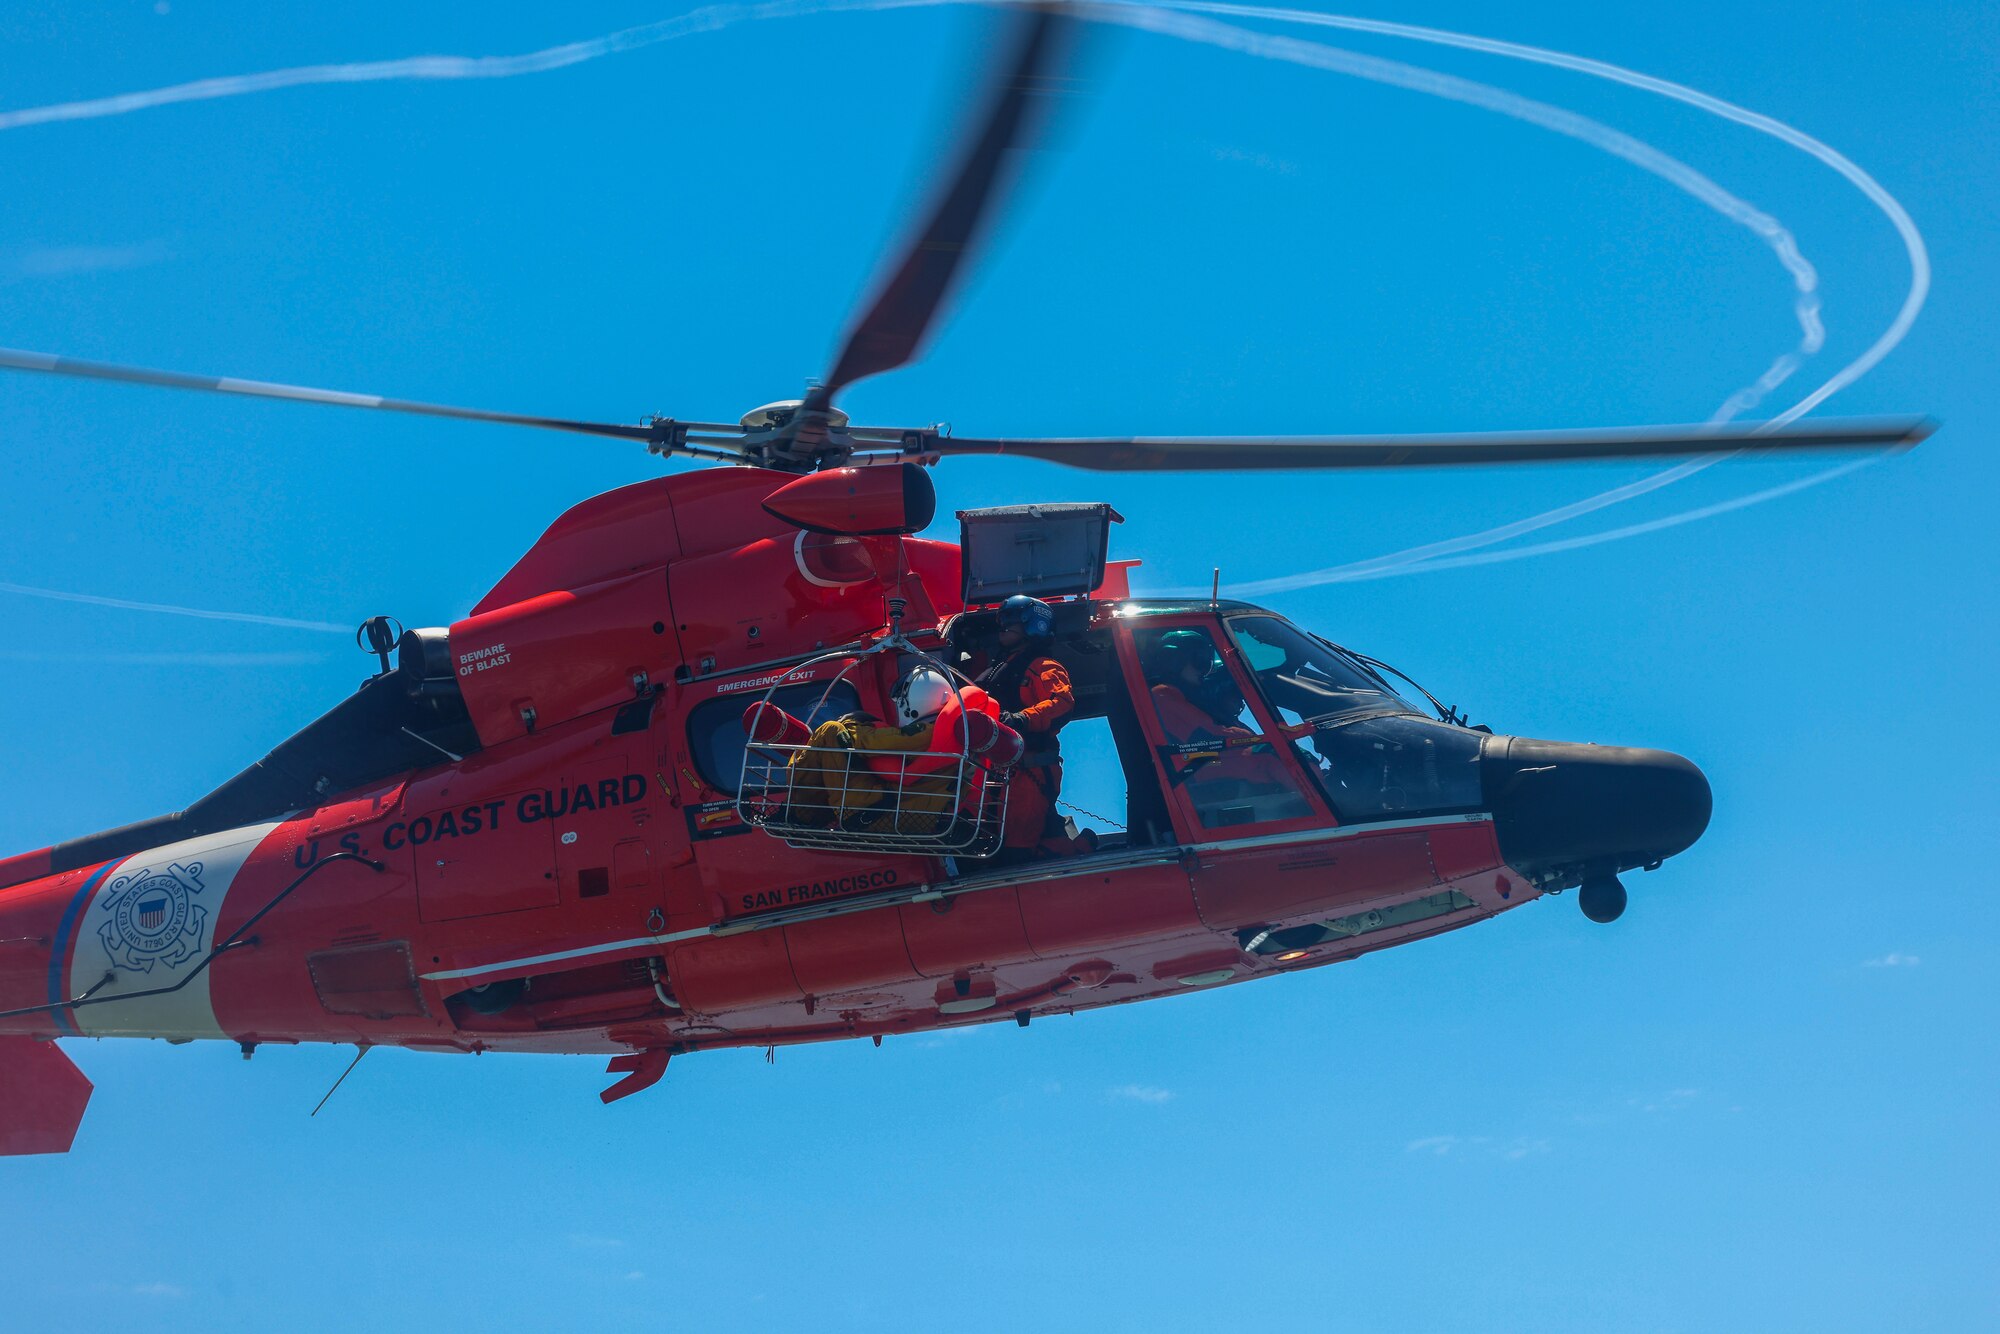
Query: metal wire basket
[[851, 799], [844, 800]]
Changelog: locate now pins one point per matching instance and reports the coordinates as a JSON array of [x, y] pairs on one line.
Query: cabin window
[[716, 737]]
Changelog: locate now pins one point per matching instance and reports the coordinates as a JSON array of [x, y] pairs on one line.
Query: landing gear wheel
[[494, 997], [1602, 898]]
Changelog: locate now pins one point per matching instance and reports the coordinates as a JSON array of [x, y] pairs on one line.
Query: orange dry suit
[[1035, 697]]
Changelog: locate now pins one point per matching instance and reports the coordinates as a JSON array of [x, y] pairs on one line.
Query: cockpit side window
[[1193, 690], [1216, 752]]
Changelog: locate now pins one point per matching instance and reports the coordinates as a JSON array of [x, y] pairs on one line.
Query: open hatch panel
[[1044, 551]]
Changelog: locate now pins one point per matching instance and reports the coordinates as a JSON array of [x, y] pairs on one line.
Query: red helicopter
[[600, 813]]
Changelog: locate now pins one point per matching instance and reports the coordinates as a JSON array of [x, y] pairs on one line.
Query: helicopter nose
[[1560, 804]]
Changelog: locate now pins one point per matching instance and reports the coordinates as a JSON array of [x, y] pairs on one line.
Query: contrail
[[1418, 559], [1616, 142], [715, 17], [167, 659], [709, 18], [712, 18], [200, 613], [1401, 562], [706, 19], [1630, 530], [1812, 334], [1898, 216]]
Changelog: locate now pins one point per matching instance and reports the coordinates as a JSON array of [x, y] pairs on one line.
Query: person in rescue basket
[[847, 771], [1035, 696]]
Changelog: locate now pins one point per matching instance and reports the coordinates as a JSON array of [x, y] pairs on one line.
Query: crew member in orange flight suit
[[1195, 705], [1177, 672], [1035, 697]]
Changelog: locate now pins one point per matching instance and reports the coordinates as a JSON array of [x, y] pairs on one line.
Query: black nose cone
[[1558, 805]]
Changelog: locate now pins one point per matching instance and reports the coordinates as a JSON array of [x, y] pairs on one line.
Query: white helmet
[[921, 694]]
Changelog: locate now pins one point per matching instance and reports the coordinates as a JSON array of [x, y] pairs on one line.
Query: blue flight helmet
[[1035, 617]]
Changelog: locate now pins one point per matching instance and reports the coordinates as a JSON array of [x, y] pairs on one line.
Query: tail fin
[[42, 1096]]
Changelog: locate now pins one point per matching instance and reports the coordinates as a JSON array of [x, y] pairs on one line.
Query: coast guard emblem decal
[[152, 917]]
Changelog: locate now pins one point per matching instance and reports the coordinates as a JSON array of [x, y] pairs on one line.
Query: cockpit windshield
[[1375, 755], [1307, 681]]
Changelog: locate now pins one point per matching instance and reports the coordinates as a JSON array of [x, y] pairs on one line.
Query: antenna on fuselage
[[361, 1050], [379, 635]]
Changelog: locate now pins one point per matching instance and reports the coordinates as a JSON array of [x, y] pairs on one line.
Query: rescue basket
[[851, 784]]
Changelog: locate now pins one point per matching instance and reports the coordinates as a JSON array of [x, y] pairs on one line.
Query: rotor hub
[[773, 415]]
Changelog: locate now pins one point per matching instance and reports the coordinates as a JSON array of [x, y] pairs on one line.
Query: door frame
[[1188, 828]]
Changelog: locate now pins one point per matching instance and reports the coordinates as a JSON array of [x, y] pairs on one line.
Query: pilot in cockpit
[[1191, 689], [1243, 777]]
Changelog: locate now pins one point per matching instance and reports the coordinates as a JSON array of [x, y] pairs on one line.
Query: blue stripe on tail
[[58, 956]]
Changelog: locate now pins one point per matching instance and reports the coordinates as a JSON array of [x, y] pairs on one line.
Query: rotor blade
[[15, 360], [1218, 453], [893, 328]]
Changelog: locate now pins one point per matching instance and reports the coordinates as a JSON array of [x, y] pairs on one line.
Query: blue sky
[[1762, 1100]]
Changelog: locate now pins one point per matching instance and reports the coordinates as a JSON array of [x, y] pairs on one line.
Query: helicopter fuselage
[[555, 858]]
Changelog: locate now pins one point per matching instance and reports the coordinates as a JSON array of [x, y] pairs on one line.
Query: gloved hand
[[1015, 721]]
